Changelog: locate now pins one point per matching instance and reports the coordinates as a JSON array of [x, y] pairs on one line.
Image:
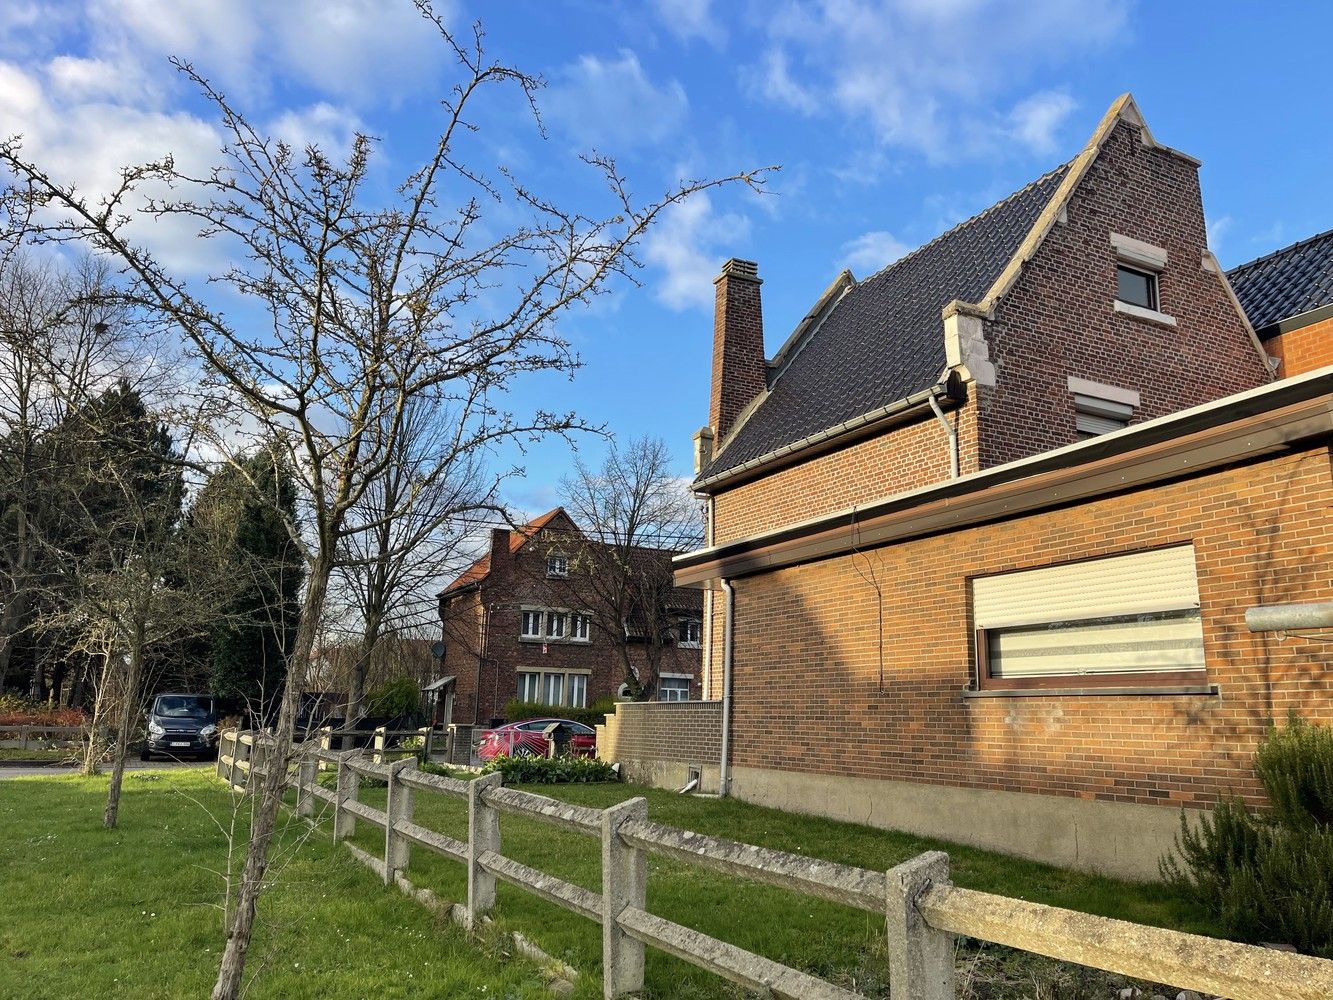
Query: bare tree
[[635, 512], [367, 307]]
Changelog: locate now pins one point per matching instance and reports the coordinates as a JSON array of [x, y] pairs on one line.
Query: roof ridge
[[968, 221], [1280, 251]]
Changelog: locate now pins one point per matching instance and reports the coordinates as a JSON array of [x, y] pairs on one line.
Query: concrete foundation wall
[[1111, 838]]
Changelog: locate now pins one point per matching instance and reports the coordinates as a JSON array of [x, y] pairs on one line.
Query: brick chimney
[[499, 547], [740, 372]]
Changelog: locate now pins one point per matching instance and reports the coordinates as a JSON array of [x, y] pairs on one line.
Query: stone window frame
[[544, 614], [1097, 406], [1148, 260], [566, 687]]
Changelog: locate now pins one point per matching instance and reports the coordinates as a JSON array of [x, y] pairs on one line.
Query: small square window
[[557, 566], [673, 689], [532, 624], [690, 632], [1138, 288], [555, 624], [578, 627]]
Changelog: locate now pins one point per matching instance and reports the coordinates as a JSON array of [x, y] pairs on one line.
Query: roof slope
[[1287, 282], [884, 339], [481, 569]]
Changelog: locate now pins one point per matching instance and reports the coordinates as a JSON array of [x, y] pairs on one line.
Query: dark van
[[181, 725]]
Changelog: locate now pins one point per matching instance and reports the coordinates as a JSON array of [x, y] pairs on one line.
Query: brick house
[[1288, 296], [982, 533], [518, 624]]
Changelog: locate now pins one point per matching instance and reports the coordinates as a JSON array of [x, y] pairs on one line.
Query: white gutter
[[950, 430], [724, 771]]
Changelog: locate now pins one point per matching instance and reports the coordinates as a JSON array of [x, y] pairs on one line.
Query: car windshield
[[179, 706]]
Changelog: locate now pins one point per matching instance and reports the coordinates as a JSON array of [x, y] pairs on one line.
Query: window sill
[[554, 641], [1200, 690], [1138, 312], [688, 645]]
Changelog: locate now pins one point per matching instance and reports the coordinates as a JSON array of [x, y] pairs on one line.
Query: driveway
[[130, 765]]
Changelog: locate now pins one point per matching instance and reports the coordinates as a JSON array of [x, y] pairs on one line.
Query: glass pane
[[529, 687], [555, 625], [532, 623], [554, 689], [1136, 288], [578, 691]]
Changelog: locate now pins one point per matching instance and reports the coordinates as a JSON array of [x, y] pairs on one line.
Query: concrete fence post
[[381, 741], [483, 834], [920, 957], [397, 848], [222, 752], [349, 784], [307, 773], [242, 756], [624, 884]]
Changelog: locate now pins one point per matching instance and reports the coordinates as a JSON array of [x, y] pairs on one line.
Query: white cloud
[[1217, 230], [613, 103], [685, 245], [873, 251], [688, 19], [931, 76]]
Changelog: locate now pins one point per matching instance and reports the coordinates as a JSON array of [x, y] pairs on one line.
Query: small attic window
[[1138, 288], [1100, 408], [557, 566]]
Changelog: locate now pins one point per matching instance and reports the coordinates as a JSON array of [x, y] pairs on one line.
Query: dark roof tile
[[1287, 282]]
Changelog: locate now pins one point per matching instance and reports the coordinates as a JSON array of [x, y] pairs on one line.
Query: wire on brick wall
[[873, 581]]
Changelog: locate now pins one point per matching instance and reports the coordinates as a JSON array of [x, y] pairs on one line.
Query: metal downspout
[[950, 430], [724, 771]]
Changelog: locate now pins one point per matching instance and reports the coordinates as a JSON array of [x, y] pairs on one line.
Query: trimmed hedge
[[551, 771], [594, 715]]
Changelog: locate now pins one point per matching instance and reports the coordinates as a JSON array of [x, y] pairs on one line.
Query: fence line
[[924, 911]]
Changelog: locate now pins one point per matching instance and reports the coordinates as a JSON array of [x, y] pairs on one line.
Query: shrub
[[551, 771], [1269, 876], [594, 715], [395, 699], [16, 711]]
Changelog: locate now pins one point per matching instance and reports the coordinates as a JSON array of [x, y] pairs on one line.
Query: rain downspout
[[724, 771], [950, 430]]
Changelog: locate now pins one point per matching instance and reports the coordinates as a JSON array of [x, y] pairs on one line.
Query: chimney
[[499, 546], [740, 372], [703, 448]]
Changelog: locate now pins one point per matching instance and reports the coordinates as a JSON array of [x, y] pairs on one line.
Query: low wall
[[658, 743]]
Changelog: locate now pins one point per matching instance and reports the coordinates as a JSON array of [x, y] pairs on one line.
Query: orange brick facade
[[812, 693], [1304, 349]]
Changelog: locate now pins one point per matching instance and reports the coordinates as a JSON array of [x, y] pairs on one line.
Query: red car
[[528, 739]]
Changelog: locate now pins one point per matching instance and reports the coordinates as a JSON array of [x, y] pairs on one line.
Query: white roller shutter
[[1160, 580], [1123, 615]]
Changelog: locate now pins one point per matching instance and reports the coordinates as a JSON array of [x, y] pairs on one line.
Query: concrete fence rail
[[924, 913]]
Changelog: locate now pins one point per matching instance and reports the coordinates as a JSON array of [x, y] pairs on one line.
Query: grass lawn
[[134, 912], [37, 755]]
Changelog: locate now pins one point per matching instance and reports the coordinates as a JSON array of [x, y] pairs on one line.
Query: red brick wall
[[518, 579], [1303, 350], [740, 372], [808, 692], [1059, 318]]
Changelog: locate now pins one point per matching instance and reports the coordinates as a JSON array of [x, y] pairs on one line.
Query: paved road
[[130, 765]]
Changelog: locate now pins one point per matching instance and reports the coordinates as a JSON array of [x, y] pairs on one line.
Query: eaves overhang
[[1238, 428]]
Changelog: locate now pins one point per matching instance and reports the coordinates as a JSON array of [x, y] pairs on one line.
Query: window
[[673, 688], [1138, 288], [690, 632], [555, 624], [558, 689], [579, 628], [1123, 621], [532, 623], [557, 566], [1100, 409]]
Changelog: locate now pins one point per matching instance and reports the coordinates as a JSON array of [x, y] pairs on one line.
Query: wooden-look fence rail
[[924, 911]]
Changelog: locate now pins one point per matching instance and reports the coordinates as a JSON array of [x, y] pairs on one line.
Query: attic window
[[1138, 288], [557, 566], [1101, 409]]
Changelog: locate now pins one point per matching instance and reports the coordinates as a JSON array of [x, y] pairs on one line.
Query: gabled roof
[[871, 344], [481, 569], [1286, 283], [883, 340]]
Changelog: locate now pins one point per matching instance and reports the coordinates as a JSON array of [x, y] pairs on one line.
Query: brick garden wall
[[810, 696], [670, 731]]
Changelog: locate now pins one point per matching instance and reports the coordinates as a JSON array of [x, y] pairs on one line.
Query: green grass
[[836, 942], [37, 755], [134, 912]]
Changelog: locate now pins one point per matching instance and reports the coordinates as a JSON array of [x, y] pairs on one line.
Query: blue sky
[[891, 121]]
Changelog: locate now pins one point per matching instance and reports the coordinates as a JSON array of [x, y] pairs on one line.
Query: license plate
[[185, 744]]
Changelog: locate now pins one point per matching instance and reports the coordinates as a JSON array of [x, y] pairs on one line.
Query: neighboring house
[[1288, 296], [520, 624], [986, 526]]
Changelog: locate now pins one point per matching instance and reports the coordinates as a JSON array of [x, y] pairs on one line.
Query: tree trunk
[[361, 669], [228, 985], [129, 702]]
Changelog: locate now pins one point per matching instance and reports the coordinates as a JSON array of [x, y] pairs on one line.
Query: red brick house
[[519, 624], [1288, 296], [984, 529]]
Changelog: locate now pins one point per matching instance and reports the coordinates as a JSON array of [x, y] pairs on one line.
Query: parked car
[[528, 739], [181, 725]]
